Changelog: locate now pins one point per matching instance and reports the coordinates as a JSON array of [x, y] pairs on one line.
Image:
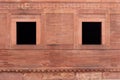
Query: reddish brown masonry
[[59, 53]]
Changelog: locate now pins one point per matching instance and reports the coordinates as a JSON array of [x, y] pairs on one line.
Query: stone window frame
[[92, 20], [28, 18], [105, 32]]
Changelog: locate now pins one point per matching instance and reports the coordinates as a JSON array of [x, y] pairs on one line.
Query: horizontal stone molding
[[55, 69], [41, 5]]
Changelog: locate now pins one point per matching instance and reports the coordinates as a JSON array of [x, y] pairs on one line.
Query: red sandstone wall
[[61, 76], [60, 0], [59, 47]]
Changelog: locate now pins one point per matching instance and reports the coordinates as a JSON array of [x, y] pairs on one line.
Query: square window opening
[[91, 33], [26, 33]]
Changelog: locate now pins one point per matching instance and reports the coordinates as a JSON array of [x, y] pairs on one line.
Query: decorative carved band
[[24, 6], [59, 5], [62, 70]]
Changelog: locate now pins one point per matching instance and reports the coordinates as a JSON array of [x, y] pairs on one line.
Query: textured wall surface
[[59, 53], [61, 76]]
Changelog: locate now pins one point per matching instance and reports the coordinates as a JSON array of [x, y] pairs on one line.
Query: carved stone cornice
[[47, 70], [41, 5]]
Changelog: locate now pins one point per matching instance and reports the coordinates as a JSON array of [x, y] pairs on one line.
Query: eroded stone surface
[[111, 75], [55, 76], [33, 76], [11, 76], [89, 76]]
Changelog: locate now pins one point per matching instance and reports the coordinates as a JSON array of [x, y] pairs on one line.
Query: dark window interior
[[91, 33], [26, 33]]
